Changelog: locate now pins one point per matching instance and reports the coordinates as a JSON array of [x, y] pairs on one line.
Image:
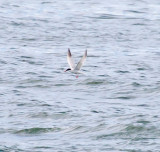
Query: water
[[113, 107]]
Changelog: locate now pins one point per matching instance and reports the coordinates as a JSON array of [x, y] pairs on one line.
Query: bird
[[75, 69]]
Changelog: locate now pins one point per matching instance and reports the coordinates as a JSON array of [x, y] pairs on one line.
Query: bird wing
[[70, 60], [80, 63]]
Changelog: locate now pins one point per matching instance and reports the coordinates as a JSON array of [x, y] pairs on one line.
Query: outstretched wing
[[70, 60], [80, 63]]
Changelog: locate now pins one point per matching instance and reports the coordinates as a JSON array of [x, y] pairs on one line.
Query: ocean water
[[114, 106]]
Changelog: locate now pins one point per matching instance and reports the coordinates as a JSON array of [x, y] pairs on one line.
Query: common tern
[[75, 69]]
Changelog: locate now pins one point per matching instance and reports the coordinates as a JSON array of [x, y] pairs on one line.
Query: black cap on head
[[68, 69]]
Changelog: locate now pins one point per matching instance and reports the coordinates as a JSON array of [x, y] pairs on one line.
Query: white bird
[[73, 68]]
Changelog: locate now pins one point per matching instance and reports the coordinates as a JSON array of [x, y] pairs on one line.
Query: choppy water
[[114, 107]]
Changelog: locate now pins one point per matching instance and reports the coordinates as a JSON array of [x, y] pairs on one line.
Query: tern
[[73, 68]]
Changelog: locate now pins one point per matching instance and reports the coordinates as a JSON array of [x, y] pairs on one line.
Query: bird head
[[67, 70]]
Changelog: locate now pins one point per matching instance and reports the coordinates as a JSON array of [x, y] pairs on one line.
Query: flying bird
[[73, 68]]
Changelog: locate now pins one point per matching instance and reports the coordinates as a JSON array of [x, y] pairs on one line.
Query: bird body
[[75, 69]]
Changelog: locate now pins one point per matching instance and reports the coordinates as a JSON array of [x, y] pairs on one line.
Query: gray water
[[114, 106]]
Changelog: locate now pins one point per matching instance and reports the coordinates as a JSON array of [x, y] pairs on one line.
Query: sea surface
[[114, 106]]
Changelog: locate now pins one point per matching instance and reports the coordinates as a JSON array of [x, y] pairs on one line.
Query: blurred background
[[113, 107]]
